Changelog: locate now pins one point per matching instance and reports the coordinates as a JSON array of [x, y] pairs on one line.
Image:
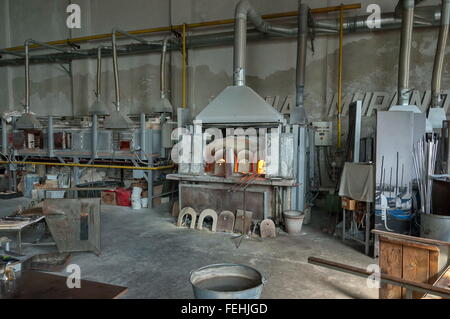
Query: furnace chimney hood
[[239, 104], [28, 120]]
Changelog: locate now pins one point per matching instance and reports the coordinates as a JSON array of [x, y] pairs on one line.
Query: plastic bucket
[[137, 191], [136, 204], [227, 281], [293, 220], [144, 202]]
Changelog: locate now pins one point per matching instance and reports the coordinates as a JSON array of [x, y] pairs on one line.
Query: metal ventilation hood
[[28, 122], [163, 106], [98, 108], [239, 104], [117, 121]]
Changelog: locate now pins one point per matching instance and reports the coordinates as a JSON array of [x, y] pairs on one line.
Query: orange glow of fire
[[261, 167]]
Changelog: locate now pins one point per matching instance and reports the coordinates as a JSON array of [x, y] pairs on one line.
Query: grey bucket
[[435, 227], [294, 221], [227, 281]]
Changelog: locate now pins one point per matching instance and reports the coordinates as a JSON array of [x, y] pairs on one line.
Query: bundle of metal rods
[[424, 157]]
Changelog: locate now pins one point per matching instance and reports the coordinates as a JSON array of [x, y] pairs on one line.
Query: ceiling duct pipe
[[440, 54], [298, 113], [117, 120], [163, 105], [28, 121], [436, 114], [404, 91], [244, 11], [98, 107], [239, 104], [423, 17]]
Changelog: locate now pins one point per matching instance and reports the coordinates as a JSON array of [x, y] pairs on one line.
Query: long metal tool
[[384, 278]]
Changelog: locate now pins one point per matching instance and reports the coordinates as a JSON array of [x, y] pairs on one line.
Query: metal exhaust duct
[[440, 54], [99, 107], [244, 11], [163, 105], [436, 114], [28, 121], [405, 52], [298, 113], [239, 103], [117, 120]]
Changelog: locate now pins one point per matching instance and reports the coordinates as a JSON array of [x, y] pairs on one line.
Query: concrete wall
[[370, 58]]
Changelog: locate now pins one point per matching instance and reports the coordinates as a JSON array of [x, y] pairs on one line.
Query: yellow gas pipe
[[90, 165], [189, 26]]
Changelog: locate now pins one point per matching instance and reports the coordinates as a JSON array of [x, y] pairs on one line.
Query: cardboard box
[[157, 190], [348, 204], [108, 198]]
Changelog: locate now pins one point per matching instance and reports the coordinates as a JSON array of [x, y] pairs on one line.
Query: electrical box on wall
[[324, 133]]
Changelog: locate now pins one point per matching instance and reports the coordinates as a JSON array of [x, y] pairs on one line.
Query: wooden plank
[[411, 238], [38, 285], [434, 267], [431, 248], [415, 267], [390, 263]]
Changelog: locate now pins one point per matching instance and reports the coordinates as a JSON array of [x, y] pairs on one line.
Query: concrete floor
[[144, 251]]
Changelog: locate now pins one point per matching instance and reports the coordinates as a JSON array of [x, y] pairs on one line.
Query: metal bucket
[[294, 221], [227, 281], [435, 227]]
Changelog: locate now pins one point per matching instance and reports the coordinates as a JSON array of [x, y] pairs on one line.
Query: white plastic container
[[137, 191], [136, 204], [144, 202], [294, 221]]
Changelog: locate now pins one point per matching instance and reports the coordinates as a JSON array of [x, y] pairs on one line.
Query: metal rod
[[381, 174], [340, 72], [396, 178], [4, 137], [27, 78], [116, 72], [4, 51], [99, 72], [131, 36], [403, 169], [143, 136], [384, 278], [51, 143], [94, 136], [184, 69], [390, 183]]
